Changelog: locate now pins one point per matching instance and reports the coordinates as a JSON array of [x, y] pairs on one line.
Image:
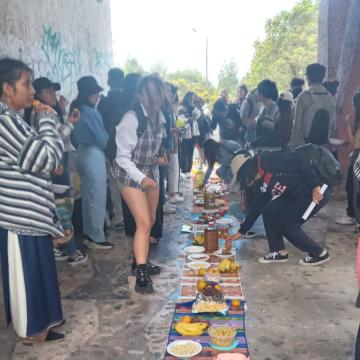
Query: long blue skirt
[[30, 284]]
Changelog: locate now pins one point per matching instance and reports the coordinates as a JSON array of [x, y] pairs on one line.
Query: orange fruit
[[217, 287], [235, 303], [201, 285], [186, 319]]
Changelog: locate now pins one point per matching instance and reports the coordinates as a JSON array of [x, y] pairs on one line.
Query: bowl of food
[[198, 257], [184, 349], [194, 249], [197, 265], [222, 335]]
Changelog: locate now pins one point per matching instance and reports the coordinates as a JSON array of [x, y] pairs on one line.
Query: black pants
[[283, 218], [349, 186], [187, 154], [130, 225]]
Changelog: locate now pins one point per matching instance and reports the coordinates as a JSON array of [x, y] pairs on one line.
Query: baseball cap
[[45, 83]]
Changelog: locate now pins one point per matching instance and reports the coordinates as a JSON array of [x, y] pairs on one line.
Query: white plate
[[197, 265], [214, 188], [182, 342], [224, 221], [194, 249], [220, 255], [59, 189], [199, 202], [198, 257]]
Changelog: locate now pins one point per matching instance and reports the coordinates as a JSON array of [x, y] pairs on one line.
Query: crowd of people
[[70, 171]]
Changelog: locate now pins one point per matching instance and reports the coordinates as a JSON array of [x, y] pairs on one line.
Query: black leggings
[[187, 154]]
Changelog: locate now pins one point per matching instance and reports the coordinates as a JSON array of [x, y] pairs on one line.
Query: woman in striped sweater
[[27, 210]]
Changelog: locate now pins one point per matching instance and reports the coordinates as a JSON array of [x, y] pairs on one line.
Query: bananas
[[192, 329], [228, 266]]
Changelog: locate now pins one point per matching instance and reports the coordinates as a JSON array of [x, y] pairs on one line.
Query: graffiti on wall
[[62, 63], [100, 59]]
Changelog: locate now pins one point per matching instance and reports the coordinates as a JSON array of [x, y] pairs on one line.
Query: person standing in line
[[27, 209], [138, 137], [296, 87], [90, 140], [313, 106], [45, 92], [268, 127], [241, 95], [286, 107], [249, 111], [188, 111], [110, 108]]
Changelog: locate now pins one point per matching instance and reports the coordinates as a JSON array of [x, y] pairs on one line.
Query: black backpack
[[324, 162], [319, 132]]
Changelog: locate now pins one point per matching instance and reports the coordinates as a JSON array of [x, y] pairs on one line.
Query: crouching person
[[284, 185]]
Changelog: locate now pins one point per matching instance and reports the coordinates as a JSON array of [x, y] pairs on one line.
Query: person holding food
[[45, 93], [27, 210], [284, 185]]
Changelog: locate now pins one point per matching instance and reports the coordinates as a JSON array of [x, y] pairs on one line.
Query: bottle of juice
[[199, 178], [211, 238]]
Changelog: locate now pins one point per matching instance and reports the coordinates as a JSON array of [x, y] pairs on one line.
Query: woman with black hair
[[136, 167], [188, 111], [90, 139], [222, 153], [45, 92], [268, 127], [27, 209]]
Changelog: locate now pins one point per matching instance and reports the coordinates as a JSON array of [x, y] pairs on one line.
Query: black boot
[[152, 269], [143, 283]]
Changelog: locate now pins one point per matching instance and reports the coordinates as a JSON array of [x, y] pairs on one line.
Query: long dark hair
[[211, 151], [80, 100], [244, 176]]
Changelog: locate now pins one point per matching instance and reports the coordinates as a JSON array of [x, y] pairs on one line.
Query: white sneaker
[[168, 209], [176, 199], [345, 220]]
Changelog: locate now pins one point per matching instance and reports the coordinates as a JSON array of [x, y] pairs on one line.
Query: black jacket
[[283, 174]]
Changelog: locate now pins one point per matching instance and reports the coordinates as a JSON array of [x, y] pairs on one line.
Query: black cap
[[88, 85], [44, 83]]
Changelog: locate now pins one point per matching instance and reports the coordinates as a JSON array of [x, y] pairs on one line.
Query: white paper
[[313, 204]]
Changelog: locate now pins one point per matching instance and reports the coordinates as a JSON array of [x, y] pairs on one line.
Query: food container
[[222, 335], [212, 277]]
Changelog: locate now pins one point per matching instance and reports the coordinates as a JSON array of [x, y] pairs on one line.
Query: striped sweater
[[26, 159]]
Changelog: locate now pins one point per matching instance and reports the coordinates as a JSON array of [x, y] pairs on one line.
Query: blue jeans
[[240, 214], [90, 163]]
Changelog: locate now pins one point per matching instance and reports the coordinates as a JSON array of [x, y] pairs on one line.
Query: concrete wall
[[339, 50], [60, 39]]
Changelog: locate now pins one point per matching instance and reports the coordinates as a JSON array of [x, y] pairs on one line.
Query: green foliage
[[290, 44], [159, 69], [132, 65], [228, 77]]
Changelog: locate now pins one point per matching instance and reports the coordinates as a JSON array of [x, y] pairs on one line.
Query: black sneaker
[[315, 260], [273, 257], [143, 283], [54, 336], [152, 269], [98, 245], [78, 258]]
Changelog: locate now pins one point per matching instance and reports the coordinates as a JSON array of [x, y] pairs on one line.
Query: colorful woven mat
[[235, 318]]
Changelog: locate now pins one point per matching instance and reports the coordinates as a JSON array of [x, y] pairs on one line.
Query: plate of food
[[224, 253], [193, 249], [224, 221], [184, 349], [198, 257], [197, 265]]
